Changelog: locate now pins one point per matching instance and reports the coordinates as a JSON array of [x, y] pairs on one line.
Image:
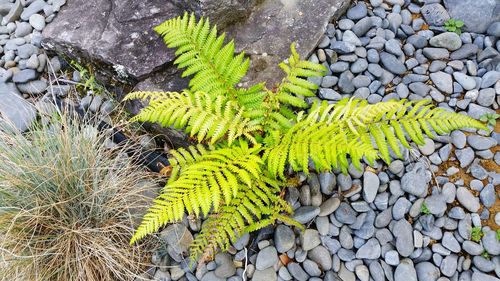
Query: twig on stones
[[243, 275], [51, 69], [427, 163], [68, 81]]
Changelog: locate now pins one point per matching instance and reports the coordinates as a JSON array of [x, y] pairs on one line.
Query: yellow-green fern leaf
[[201, 115], [325, 144], [398, 120], [206, 180], [201, 52], [295, 85], [329, 134], [253, 208], [252, 98]]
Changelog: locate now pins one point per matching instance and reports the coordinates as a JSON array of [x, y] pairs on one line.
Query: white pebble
[[37, 21]]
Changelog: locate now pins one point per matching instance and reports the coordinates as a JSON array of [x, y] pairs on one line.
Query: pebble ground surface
[[26, 70], [431, 216], [415, 218]]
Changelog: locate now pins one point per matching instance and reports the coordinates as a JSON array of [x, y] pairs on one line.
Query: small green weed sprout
[[88, 81], [454, 25], [485, 255], [476, 234], [424, 210], [490, 118]]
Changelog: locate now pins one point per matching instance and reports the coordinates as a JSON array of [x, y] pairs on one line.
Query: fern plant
[[250, 137]]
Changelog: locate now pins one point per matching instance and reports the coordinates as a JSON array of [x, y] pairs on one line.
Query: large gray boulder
[[117, 36], [476, 15], [222, 12], [267, 33]]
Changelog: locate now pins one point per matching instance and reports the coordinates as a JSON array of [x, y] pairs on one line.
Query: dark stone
[[434, 14], [178, 237], [15, 11], [113, 33], [392, 64], [24, 76], [14, 109], [465, 51], [32, 9], [263, 234]]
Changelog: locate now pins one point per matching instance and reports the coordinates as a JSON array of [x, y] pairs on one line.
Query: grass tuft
[[69, 205]]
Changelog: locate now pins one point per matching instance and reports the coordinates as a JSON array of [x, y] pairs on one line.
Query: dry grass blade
[[69, 205]]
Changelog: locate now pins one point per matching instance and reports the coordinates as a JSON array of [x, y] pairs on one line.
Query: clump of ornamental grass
[[69, 204]]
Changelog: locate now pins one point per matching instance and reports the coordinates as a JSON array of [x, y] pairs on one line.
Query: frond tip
[[331, 133], [214, 66], [295, 86]]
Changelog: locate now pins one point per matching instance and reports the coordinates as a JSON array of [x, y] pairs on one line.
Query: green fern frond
[[253, 208], [141, 95], [215, 67], [200, 114], [253, 97], [325, 144], [206, 180], [183, 158], [392, 122], [329, 133], [295, 86]]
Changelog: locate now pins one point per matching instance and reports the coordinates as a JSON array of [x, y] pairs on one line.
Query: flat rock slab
[[224, 12], [117, 37], [477, 15], [115, 34], [268, 32]]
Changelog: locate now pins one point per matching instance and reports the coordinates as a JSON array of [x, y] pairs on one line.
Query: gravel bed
[[25, 66], [411, 220]]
